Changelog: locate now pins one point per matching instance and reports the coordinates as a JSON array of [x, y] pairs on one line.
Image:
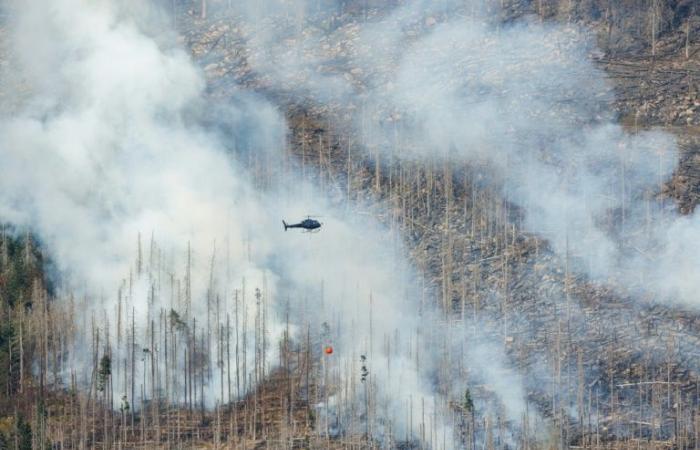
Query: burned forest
[[504, 245]]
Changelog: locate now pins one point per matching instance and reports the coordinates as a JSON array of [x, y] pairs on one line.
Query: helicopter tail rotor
[[285, 225]]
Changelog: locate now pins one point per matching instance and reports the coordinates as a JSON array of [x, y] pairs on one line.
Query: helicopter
[[309, 225]]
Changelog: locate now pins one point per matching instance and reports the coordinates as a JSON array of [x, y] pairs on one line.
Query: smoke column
[[111, 158], [521, 101]]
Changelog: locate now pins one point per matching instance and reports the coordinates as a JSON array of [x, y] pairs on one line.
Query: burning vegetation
[[507, 258]]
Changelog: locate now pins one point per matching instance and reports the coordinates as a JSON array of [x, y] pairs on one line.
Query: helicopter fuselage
[[306, 224]]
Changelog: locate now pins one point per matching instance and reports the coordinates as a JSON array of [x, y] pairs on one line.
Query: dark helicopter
[[308, 224]]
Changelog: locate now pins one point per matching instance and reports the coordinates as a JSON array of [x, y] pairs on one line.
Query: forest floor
[[642, 368], [643, 371]]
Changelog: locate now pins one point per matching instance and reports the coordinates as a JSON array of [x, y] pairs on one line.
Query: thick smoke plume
[[522, 102], [143, 193], [115, 160]]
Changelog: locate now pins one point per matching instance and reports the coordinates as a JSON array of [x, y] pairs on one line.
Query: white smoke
[[522, 101], [134, 185]]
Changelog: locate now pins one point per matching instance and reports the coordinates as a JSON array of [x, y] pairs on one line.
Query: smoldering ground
[[435, 81], [429, 82], [144, 201], [99, 152]]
